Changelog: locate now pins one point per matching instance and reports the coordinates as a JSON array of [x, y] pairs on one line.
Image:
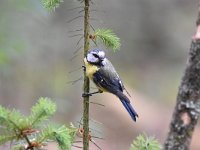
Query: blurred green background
[[37, 58]]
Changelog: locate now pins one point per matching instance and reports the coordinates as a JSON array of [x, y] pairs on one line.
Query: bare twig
[[77, 141], [80, 124], [74, 19], [78, 69], [96, 137], [95, 144], [96, 122], [75, 81], [77, 146], [75, 35], [80, 41], [75, 8], [75, 55], [92, 27], [95, 103], [78, 30]]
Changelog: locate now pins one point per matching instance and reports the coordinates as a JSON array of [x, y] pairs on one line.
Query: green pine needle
[[11, 119], [72, 131], [63, 138], [51, 4], [18, 147], [142, 142], [3, 116], [17, 127], [61, 135], [6, 138], [109, 38], [42, 111]]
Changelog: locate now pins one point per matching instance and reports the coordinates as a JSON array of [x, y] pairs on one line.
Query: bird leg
[[92, 93]]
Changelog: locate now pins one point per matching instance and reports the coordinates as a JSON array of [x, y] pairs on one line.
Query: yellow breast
[[90, 69]]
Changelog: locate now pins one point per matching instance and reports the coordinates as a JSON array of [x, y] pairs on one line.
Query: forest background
[[37, 59]]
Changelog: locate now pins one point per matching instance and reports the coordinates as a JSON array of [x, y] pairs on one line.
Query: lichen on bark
[[187, 108]]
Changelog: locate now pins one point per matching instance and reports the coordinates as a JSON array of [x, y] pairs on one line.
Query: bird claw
[[86, 94], [84, 68]]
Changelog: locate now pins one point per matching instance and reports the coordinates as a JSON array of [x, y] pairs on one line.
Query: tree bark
[[187, 109], [86, 86]]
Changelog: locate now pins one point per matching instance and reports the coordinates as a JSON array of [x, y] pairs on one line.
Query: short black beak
[[101, 59]]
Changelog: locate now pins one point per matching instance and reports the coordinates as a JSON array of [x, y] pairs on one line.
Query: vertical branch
[[187, 108], [86, 86]]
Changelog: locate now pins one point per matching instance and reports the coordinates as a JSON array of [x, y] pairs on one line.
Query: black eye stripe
[[95, 55]]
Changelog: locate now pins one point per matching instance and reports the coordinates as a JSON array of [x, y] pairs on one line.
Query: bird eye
[[95, 55]]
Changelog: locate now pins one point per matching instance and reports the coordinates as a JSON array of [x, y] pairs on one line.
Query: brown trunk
[[187, 107]]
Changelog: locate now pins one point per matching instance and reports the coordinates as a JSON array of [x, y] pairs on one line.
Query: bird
[[101, 71]]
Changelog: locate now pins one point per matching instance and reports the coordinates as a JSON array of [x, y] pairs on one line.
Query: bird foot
[[84, 68], [86, 94]]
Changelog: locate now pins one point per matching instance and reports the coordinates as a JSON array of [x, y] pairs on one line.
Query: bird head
[[95, 56]]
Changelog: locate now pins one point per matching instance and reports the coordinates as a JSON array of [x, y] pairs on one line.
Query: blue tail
[[126, 102]]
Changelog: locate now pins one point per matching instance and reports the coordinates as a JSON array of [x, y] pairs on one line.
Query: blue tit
[[100, 70]]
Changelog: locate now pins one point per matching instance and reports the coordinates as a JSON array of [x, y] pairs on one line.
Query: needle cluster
[[32, 132]]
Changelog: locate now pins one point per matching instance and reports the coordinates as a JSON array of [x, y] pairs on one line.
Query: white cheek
[[102, 54], [104, 62], [91, 58]]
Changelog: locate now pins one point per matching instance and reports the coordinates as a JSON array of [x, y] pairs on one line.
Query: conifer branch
[[51, 4], [62, 135], [142, 142], [6, 138], [28, 131], [42, 111], [108, 37]]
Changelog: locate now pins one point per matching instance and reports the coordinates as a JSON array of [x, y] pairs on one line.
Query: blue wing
[[110, 81]]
